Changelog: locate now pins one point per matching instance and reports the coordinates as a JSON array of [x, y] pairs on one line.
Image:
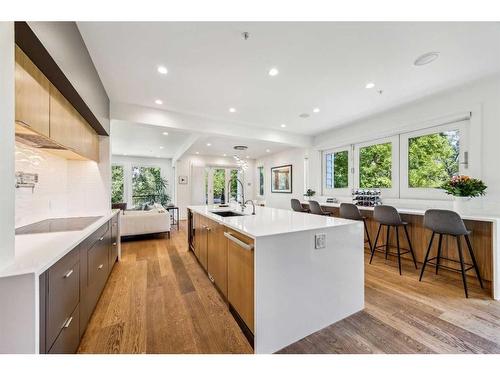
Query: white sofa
[[134, 223]]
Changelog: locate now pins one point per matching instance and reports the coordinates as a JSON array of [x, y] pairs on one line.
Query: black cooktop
[[66, 224]]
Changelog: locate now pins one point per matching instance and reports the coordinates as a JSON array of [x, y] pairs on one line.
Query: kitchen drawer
[[98, 262], [63, 294], [68, 340], [96, 236]]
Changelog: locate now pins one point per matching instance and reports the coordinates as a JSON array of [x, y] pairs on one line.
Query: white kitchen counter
[[35, 253], [269, 221]]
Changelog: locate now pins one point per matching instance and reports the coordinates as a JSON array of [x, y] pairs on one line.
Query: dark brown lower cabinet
[[70, 289]]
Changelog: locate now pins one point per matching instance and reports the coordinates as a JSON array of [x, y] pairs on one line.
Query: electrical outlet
[[320, 241]]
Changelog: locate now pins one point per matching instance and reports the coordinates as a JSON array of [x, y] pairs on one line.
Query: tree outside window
[[375, 166], [148, 186], [337, 170], [117, 184], [433, 159]]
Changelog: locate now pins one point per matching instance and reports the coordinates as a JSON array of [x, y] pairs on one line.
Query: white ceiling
[[321, 64], [132, 139], [224, 145]]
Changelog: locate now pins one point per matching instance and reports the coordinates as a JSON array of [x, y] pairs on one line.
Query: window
[[148, 186], [117, 184], [375, 166], [429, 157], [261, 181], [336, 171]]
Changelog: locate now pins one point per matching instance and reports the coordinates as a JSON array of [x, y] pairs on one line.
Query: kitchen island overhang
[[299, 288]]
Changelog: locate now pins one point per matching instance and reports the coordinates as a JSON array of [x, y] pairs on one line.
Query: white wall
[[6, 142], [293, 156], [184, 167], [128, 162], [481, 97]]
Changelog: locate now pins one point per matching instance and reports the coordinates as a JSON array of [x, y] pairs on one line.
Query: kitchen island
[[283, 274]]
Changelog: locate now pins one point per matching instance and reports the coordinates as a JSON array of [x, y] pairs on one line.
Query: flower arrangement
[[309, 193], [464, 186]]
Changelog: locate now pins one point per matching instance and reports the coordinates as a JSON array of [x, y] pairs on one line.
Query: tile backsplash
[[64, 188]]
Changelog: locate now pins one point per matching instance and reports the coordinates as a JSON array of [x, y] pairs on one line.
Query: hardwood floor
[[158, 300]]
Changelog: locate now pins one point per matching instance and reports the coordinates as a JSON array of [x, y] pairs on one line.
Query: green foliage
[[148, 186], [341, 169], [432, 159], [218, 183], [464, 186], [375, 163], [116, 184], [234, 184]]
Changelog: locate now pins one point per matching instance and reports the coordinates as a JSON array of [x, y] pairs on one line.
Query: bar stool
[[388, 216], [444, 222], [297, 206], [351, 211], [316, 209]]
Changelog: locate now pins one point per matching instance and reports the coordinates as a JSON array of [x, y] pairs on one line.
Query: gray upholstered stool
[[316, 209], [351, 211], [297, 206], [444, 222], [388, 216]]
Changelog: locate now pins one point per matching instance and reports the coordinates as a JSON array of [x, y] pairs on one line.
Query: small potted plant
[[309, 194], [463, 189]]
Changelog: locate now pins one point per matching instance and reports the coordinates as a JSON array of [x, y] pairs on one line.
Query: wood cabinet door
[[88, 145], [240, 278], [31, 95], [63, 125], [205, 224], [217, 257], [197, 234]]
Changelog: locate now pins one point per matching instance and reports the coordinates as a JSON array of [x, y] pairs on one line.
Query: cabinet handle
[[68, 274], [100, 239], [100, 266], [68, 322], [114, 243], [240, 243]]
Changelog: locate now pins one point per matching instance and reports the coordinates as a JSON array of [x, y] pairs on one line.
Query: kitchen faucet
[[253, 205], [242, 204]]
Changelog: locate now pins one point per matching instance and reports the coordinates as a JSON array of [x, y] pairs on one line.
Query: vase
[[461, 204]]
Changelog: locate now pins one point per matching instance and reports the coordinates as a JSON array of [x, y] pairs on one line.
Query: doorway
[[216, 184]]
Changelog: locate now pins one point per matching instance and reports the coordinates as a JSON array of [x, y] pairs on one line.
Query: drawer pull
[[240, 243], [68, 274], [100, 239], [68, 322], [114, 243], [100, 266]]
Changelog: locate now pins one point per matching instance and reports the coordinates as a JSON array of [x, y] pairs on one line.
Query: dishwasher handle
[[245, 246]]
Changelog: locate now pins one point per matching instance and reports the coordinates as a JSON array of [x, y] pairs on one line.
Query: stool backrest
[[445, 222], [387, 215], [296, 206], [350, 211], [315, 208]]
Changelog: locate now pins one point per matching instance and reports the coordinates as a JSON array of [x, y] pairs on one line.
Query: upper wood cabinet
[[32, 95]]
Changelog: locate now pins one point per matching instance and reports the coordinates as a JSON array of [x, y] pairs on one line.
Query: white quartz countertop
[[269, 221], [35, 253], [482, 215]]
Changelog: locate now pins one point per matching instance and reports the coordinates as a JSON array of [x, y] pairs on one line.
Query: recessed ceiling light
[[162, 70], [224, 155], [232, 110], [370, 85], [197, 153], [248, 157], [316, 110], [268, 150], [273, 72], [209, 144], [165, 133], [283, 125], [161, 147], [426, 58], [159, 102]]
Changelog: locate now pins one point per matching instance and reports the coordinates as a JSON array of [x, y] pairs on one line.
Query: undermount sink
[[227, 213]]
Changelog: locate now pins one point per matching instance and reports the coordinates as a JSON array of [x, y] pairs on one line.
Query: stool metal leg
[[459, 245], [387, 242], [367, 235], [427, 256], [471, 253], [438, 258], [411, 247], [399, 251], [375, 244]]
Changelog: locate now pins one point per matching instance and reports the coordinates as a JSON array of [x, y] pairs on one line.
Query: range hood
[[30, 138]]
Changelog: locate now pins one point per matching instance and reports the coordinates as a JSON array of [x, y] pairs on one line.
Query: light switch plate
[[320, 241]]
